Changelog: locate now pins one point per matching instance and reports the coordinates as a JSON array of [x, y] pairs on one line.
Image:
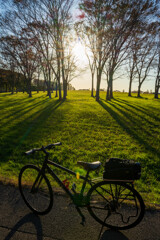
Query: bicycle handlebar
[[52, 145]]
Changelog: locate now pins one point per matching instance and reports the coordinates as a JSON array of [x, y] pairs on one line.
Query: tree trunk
[[49, 92], [157, 86], [107, 93], [130, 87], [59, 77], [38, 85], [59, 87], [56, 89], [60, 96], [92, 85], [49, 89], [49, 84], [98, 88], [12, 92], [108, 96], [29, 90], [110, 87], [139, 91], [64, 89], [156, 93], [157, 83]]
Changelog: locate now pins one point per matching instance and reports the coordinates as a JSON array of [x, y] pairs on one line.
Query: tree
[[7, 63], [136, 43], [144, 59], [21, 52], [68, 62], [130, 21], [94, 28], [57, 26], [92, 67], [84, 33], [18, 43], [47, 23], [112, 23], [157, 82]]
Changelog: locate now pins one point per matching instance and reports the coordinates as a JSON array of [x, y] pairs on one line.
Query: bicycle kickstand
[[82, 216]]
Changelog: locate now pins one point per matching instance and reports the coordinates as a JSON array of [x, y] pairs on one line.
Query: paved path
[[63, 222]]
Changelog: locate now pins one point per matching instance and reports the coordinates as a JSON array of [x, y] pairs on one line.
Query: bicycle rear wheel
[[35, 189], [116, 205]]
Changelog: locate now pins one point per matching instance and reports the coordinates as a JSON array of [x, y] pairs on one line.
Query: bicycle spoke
[[120, 205]]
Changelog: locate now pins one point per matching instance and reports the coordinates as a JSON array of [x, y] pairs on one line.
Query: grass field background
[[125, 127]]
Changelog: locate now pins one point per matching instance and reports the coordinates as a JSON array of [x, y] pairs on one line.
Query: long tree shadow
[[21, 111], [16, 101], [29, 218], [138, 108], [129, 112], [40, 118], [30, 126], [4, 105], [130, 124]]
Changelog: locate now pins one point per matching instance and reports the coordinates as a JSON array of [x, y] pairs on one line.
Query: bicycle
[[112, 203]]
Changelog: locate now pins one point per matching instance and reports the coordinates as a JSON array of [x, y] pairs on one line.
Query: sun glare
[[79, 52]]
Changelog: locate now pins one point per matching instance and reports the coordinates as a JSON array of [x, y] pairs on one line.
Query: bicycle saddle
[[90, 166]]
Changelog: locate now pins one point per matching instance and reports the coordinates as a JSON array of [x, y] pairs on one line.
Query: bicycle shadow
[[29, 218], [113, 235]]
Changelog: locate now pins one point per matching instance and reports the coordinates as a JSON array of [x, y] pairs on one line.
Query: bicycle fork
[[82, 191]]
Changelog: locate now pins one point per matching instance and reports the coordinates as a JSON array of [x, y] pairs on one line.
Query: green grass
[[125, 127]]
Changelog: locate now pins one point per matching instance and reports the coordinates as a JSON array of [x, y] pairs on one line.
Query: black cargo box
[[121, 169]]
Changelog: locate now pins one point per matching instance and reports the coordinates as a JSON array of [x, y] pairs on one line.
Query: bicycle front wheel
[[116, 205], [35, 189]]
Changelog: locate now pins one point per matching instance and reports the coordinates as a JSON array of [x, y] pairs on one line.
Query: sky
[[84, 80], [121, 83]]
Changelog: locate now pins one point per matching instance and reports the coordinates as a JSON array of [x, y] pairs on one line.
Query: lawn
[[125, 127]]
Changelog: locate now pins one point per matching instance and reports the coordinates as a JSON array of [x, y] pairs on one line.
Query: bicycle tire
[[39, 199], [116, 205]]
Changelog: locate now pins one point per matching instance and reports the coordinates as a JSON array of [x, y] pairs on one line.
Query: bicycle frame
[[122, 189], [71, 195], [51, 172]]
